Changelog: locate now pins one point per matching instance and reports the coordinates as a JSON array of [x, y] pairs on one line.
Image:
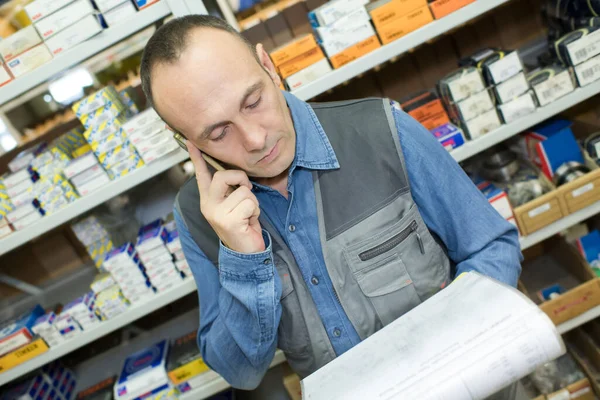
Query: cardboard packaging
[[496, 65], [110, 111], [141, 120], [125, 167], [517, 108], [308, 74], [331, 11], [15, 178], [150, 240], [461, 84], [156, 141], [426, 108], [119, 13], [474, 106], [94, 184], [157, 153], [80, 164], [441, 8], [293, 49], [141, 4], [29, 60], [63, 18], [106, 5], [405, 24], [17, 332], [108, 143], [95, 101], [19, 42], [449, 136], [299, 63], [482, 124], [578, 46], [335, 40], [588, 71], [185, 367], [511, 88], [106, 128], [550, 84], [39, 9], [68, 38], [354, 52], [23, 354], [384, 12]]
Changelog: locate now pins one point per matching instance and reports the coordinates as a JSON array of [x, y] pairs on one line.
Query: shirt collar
[[313, 149]]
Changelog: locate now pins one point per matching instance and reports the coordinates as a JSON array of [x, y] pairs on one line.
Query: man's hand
[[232, 212]]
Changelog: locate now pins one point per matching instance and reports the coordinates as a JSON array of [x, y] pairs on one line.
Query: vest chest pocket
[[377, 266]]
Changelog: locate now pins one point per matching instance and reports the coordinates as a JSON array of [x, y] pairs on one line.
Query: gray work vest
[[380, 256]]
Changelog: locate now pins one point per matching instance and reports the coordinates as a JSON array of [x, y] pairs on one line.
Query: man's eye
[[221, 136], [255, 104]]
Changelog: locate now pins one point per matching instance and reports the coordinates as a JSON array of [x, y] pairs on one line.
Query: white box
[[308, 74], [23, 198], [123, 254], [154, 142], [16, 178], [157, 263], [63, 18], [19, 188], [30, 60], [148, 131], [182, 265], [150, 240], [75, 34], [105, 5], [80, 164], [143, 119], [475, 105], [505, 67], [143, 372], [179, 255], [346, 32], [585, 48], [159, 251], [467, 84], [41, 8], [21, 212], [19, 42], [44, 323], [588, 71], [89, 174], [512, 88], [157, 153], [517, 108], [483, 124], [94, 184], [554, 88], [119, 13], [330, 12]]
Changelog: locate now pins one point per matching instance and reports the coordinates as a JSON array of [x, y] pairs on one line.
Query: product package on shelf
[[119, 13], [128, 273], [111, 302], [89, 230], [44, 327], [19, 42], [497, 66], [518, 108], [185, 367], [99, 249], [69, 37], [82, 310], [23, 354], [67, 326], [17, 332], [297, 55], [396, 18], [53, 381], [29, 60], [39, 9], [143, 373], [63, 18], [441, 8], [551, 83]]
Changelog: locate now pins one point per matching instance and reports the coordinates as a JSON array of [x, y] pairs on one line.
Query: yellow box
[[187, 371], [404, 24], [354, 52], [392, 10], [95, 101], [294, 49], [441, 8], [23, 354], [299, 63], [81, 150]]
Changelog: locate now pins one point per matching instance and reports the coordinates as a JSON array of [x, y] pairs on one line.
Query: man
[[330, 221]]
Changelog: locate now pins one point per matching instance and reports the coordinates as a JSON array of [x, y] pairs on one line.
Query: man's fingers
[[223, 180], [244, 210], [203, 175], [240, 194]]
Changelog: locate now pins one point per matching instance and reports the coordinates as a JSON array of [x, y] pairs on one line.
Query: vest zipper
[[393, 242]]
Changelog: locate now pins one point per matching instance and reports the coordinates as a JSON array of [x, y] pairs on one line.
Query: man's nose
[[254, 137]]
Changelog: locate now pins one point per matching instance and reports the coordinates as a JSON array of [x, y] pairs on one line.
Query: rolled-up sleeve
[[476, 236]]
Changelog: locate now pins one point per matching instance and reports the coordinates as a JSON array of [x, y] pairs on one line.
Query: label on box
[[63, 18], [512, 88], [475, 105], [517, 108], [539, 210], [465, 86], [584, 189], [332, 11], [588, 72], [506, 67], [483, 124], [337, 40], [119, 13], [585, 48], [554, 88]]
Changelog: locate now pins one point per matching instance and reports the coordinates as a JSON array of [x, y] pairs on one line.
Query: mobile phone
[[211, 161]]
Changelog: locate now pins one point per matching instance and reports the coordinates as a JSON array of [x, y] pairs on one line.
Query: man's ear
[[267, 64]]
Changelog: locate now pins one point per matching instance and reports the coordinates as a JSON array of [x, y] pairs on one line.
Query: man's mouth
[[274, 152]]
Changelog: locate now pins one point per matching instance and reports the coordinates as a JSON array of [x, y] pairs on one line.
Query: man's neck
[[279, 183]]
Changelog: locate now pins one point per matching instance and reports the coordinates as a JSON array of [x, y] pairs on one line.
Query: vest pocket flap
[[383, 277]]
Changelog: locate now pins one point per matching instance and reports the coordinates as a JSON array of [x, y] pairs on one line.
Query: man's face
[[222, 100]]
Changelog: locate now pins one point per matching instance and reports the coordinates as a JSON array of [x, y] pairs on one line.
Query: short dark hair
[[170, 40]]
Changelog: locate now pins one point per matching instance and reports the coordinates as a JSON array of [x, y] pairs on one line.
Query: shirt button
[[292, 228], [314, 280], [267, 261], [337, 332]]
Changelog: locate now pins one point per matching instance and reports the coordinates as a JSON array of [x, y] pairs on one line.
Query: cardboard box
[[575, 52], [511, 88], [474, 105], [299, 63], [461, 84], [294, 49], [63, 18], [105, 5], [39, 9], [106, 128], [94, 184], [426, 108], [580, 193], [157, 153], [75, 34], [331, 11], [539, 213], [95, 101], [354, 52], [125, 167], [79, 165], [518, 108], [141, 4], [155, 141], [441, 8], [335, 41], [119, 13], [19, 42], [109, 112], [404, 24], [384, 12], [143, 119], [308, 74], [550, 84], [588, 71], [482, 124], [29, 60], [16, 178], [109, 142], [23, 354], [449, 136]]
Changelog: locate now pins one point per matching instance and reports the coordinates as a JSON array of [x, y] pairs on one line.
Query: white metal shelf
[[134, 312], [85, 203], [579, 320], [400, 46], [560, 225], [219, 384], [72, 57], [490, 139]]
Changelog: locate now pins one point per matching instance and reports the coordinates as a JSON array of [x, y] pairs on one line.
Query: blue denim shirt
[[239, 301]]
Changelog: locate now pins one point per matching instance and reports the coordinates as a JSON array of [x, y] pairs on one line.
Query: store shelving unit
[[396, 48], [579, 320], [90, 201]]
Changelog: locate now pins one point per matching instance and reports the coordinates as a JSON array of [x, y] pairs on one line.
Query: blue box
[[589, 247], [143, 372], [449, 136]]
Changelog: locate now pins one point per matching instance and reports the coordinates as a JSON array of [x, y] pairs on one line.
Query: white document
[[466, 342]]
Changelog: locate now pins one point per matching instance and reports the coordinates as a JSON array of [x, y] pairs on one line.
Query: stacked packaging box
[[174, 247], [82, 310], [22, 52], [148, 133], [53, 381], [115, 11], [396, 18], [96, 239], [16, 332], [155, 256], [45, 328], [127, 272], [187, 371], [110, 302], [24, 210], [63, 24]]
